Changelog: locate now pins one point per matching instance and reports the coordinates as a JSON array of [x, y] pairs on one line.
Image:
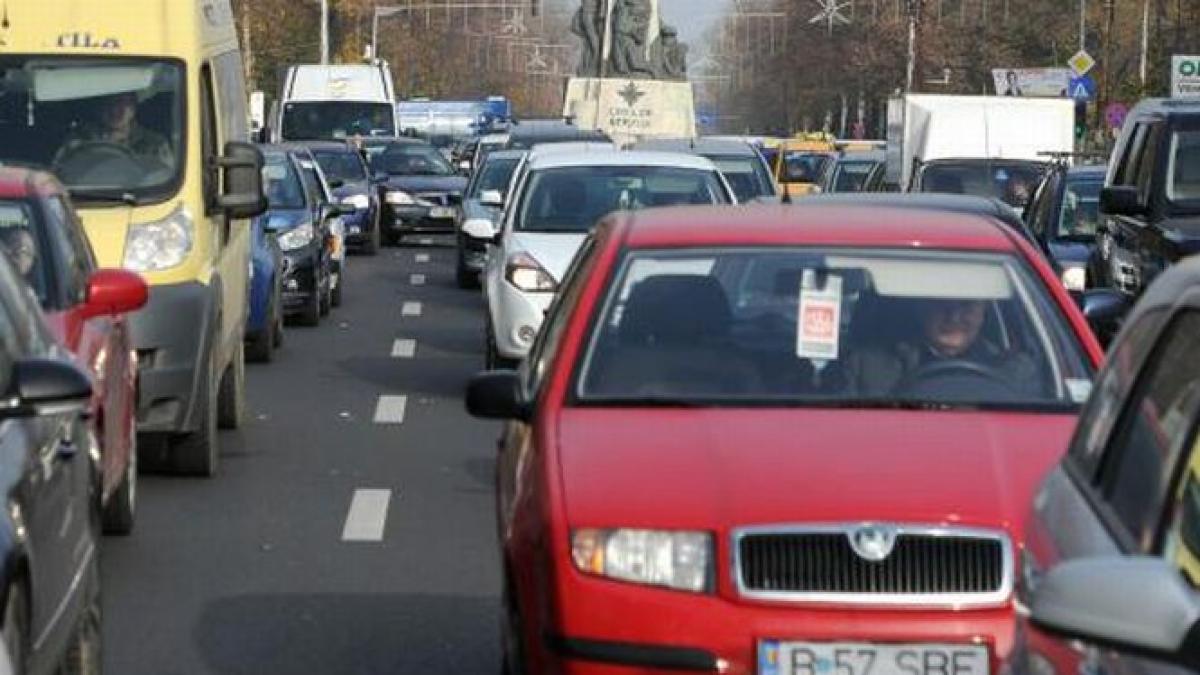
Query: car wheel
[[310, 315], [16, 628], [278, 337], [465, 277], [231, 402], [196, 454], [118, 514], [335, 296], [326, 295], [372, 245], [259, 349], [84, 651]]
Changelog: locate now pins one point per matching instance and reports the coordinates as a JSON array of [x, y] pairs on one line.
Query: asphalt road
[[348, 531]]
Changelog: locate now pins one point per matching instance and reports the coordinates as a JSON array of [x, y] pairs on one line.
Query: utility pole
[[247, 46], [1082, 25], [914, 29], [324, 32], [1145, 43]]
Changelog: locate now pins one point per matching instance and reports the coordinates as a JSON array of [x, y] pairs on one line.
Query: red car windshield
[[839, 328]]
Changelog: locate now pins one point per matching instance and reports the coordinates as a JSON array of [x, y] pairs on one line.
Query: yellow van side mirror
[[242, 186]]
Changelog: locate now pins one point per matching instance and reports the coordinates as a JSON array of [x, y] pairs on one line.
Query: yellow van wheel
[[196, 454], [231, 400]]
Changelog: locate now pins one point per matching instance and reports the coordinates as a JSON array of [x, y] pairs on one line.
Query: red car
[[85, 308], [782, 441]]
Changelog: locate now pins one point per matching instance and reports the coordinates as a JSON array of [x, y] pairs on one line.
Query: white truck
[[335, 102], [926, 128]]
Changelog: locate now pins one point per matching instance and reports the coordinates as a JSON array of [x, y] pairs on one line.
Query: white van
[[335, 102]]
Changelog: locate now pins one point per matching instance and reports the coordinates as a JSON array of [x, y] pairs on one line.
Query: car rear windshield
[[573, 199], [851, 175], [1183, 173], [345, 165], [1013, 183], [415, 159], [336, 120], [746, 176], [831, 328], [1080, 215], [281, 182], [804, 167]]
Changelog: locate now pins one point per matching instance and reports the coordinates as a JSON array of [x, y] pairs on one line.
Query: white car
[[558, 195]]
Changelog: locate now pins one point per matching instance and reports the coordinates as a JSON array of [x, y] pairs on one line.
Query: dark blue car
[[264, 323], [1064, 216], [353, 187]]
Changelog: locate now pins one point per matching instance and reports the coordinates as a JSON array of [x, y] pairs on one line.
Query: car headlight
[[528, 275], [360, 202], [161, 244], [402, 198], [1075, 278], [674, 559], [297, 237]]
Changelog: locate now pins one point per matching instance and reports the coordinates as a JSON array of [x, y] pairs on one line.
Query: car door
[[1038, 214], [57, 494], [317, 199], [1125, 239]]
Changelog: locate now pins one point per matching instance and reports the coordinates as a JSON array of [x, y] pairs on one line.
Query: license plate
[[353, 229], [832, 658], [441, 212]]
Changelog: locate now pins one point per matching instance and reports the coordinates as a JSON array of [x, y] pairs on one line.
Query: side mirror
[[493, 198], [498, 395], [242, 188], [1121, 200], [114, 291], [1104, 308], [46, 387], [479, 228], [335, 183], [337, 209], [1140, 604]]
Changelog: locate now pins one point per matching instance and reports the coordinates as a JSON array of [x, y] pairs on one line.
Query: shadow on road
[[349, 634]]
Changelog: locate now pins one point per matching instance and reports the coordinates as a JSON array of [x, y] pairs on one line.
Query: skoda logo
[[873, 542]]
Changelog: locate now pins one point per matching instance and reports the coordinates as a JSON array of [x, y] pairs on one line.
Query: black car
[[49, 476], [353, 186], [300, 222], [1064, 216], [1011, 180], [422, 192], [1150, 205]]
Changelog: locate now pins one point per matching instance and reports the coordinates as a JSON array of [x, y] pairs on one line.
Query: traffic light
[[1081, 113]]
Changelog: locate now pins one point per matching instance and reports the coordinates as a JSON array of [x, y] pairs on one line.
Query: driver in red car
[[118, 125], [949, 332]]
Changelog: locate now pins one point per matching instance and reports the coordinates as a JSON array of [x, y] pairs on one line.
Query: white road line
[[422, 257], [367, 515], [427, 242], [390, 409], [417, 279], [411, 308], [404, 349]]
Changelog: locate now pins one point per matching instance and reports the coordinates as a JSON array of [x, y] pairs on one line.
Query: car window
[[1127, 169], [495, 175], [312, 182], [344, 166], [833, 328], [1138, 462], [851, 176], [282, 183], [573, 199], [1039, 209], [71, 265], [1079, 213], [1148, 166], [1013, 183], [22, 242], [804, 167], [1181, 541], [546, 345], [745, 175], [1183, 170], [412, 160]]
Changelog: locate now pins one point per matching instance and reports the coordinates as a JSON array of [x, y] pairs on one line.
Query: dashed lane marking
[[367, 516], [404, 349], [390, 409], [411, 308], [417, 279], [422, 257]]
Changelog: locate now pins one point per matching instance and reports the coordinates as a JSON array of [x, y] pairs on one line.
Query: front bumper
[[472, 252], [607, 627], [416, 218], [172, 335], [516, 318], [301, 281]]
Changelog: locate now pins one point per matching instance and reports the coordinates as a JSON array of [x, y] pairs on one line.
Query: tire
[[16, 628], [197, 453], [278, 326], [464, 277], [83, 655], [372, 245], [311, 314], [327, 295], [231, 399], [260, 348], [335, 296], [118, 514]]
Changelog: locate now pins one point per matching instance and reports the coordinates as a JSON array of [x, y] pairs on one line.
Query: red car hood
[[716, 469]]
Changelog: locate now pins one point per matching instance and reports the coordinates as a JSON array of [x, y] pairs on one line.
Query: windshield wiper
[[126, 198]]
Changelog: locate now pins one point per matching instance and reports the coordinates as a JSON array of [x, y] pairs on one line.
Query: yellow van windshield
[[109, 128]]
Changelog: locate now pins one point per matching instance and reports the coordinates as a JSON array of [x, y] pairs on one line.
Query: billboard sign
[[1032, 82], [1185, 76]]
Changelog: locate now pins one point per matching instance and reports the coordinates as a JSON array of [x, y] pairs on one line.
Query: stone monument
[[632, 78]]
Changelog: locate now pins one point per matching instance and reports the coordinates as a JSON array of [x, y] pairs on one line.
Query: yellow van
[[801, 162], [139, 107]]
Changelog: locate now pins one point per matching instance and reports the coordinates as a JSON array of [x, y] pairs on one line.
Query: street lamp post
[[380, 13], [324, 32]]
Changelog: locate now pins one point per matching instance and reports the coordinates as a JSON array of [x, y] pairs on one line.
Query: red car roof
[[21, 183], [815, 224]]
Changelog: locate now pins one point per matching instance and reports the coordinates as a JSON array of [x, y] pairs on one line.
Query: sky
[[692, 17]]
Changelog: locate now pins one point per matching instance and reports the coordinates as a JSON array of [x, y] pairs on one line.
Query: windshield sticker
[[820, 316], [1078, 389]]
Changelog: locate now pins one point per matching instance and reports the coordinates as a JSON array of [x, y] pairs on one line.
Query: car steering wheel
[[954, 379], [103, 151], [104, 157]]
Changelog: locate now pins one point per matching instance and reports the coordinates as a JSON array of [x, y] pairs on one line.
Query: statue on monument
[[670, 56], [630, 26], [589, 25]]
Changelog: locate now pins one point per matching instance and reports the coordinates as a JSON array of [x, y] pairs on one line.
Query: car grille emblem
[[873, 542]]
